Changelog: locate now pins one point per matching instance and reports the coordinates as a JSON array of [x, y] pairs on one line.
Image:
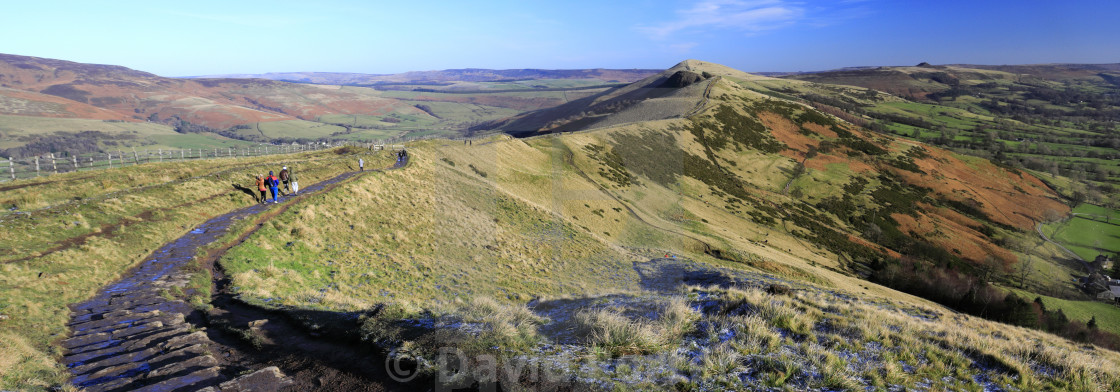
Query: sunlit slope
[[750, 179], [751, 147]]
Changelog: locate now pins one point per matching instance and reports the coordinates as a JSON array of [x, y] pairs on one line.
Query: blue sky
[[223, 37]]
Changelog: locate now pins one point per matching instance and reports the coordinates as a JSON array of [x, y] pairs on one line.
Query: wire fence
[[53, 163]]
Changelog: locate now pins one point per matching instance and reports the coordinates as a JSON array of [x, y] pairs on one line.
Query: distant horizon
[[629, 68], [349, 36], [231, 74]]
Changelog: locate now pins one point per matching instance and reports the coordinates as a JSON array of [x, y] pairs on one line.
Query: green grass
[[15, 131], [140, 135], [11, 126], [195, 141], [296, 129], [1088, 236], [1108, 315]]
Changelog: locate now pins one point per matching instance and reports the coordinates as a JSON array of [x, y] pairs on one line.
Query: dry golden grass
[[818, 339], [430, 232], [617, 334]]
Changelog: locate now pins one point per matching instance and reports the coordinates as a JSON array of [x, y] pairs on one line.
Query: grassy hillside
[[758, 188], [1056, 119], [466, 236], [70, 234]]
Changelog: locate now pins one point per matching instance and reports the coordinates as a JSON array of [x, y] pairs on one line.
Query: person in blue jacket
[[273, 185]]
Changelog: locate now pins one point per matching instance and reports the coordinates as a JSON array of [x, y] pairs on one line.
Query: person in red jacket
[[273, 184]]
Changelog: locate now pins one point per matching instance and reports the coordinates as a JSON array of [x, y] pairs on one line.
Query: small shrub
[[477, 171]]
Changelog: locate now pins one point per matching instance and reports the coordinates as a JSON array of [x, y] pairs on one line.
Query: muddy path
[[135, 335]]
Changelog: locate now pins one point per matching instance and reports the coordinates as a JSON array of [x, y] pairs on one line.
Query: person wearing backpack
[[292, 178], [260, 187], [273, 185], [284, 179]]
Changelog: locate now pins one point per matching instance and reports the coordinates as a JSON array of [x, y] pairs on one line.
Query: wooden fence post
[[54, 164], [75, 160], [135, 156], [11, 168], [110, 160], [91, 161], [36, 166], [161, 155]]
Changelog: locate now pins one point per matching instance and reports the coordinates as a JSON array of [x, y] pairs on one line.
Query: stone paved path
[[132, 336]]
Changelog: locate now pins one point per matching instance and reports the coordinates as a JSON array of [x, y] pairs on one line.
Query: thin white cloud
[[255, 21], [737, 15], [683, 47]]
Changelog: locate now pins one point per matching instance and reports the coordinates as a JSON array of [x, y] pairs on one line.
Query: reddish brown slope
[[46, 87]]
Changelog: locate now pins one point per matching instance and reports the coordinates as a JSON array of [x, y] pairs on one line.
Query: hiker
[[361, 165], [273, 184], [292, 178], [401, 155], [260, 187], [284, 179]]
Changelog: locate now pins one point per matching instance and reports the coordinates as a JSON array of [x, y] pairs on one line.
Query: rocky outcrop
[[681, 79], [267, 379]]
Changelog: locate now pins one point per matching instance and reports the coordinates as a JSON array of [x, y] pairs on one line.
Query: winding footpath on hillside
[[133, 336]]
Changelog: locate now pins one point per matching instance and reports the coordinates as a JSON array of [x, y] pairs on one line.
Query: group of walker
[[287, 177], [272, 184]]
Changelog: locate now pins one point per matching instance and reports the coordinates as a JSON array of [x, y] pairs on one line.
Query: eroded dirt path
[[134, 336]]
